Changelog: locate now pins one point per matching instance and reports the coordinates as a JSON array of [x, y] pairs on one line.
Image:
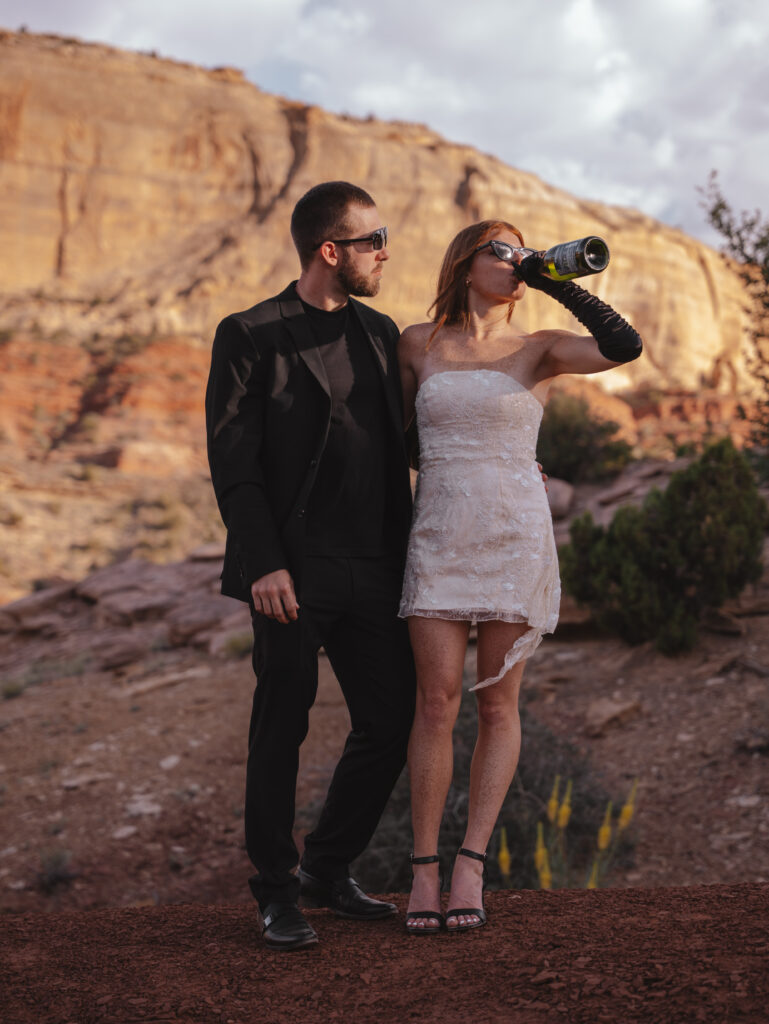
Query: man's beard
[[352, 281]]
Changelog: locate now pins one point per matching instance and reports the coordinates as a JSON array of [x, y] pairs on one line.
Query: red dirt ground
[[131, 787], [658, 956]]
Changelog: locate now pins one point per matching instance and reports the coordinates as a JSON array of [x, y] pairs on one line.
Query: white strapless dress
[[481, 545]]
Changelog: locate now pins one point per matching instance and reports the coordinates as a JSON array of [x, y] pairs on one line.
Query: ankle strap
[[424, 860], [471, 853]]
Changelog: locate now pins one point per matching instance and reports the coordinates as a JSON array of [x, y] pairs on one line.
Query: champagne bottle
[[584, 256]]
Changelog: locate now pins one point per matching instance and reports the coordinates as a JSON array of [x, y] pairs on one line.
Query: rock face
[[144, 197]]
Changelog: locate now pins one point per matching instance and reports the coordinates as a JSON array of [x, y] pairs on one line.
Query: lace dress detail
[[481, 545]]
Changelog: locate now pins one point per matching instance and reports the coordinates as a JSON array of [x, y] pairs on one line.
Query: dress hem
[[463, 615], [522, 649]]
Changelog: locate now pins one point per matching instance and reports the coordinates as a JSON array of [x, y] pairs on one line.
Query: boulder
[[201, 615], [609, 711], [30, 609]]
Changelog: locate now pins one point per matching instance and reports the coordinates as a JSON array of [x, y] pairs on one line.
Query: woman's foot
[[466, 898], [423, 916]]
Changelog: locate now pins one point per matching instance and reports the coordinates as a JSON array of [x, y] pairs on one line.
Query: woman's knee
[[437, 707], [497, 711]]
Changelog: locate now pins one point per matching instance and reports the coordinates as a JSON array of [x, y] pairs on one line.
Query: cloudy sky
[[626, 102]]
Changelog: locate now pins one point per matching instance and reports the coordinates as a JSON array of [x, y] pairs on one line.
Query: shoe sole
[[311, 903], [379, 916]]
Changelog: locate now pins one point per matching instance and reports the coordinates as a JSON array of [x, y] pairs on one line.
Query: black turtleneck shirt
[[346, 507]]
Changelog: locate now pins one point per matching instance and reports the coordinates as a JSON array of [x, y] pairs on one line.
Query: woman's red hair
[[450, 306]]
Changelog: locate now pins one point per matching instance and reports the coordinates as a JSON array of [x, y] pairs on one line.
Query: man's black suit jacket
[[268, 410]]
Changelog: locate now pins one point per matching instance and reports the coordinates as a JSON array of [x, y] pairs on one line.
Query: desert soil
[[670, 956], [123, 874], [123, 870]]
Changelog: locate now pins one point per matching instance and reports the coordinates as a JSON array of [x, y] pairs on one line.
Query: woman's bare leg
[[495, 759], [439, 653]]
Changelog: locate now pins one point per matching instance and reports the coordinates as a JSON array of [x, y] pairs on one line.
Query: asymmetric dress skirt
[[481, 545]]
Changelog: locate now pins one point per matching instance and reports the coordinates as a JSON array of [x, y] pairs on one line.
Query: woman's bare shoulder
[[549, 335], [412, 343], [416, 334]]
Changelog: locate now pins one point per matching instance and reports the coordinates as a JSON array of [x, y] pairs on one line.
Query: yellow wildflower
[[604, 832], [564, 811], [552, 804], [626, 814], [540, 853], [592, 882], [545, 874], [503, 857]]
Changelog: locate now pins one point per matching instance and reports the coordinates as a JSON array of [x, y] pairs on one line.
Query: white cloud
[[612, 99]]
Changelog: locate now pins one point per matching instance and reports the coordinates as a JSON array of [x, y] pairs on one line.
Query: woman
[[481, 546]]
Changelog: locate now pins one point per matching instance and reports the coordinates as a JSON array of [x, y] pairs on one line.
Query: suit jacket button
[[300, 513], [313, 463]]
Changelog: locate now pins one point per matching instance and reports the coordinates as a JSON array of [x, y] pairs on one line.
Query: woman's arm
[[409, 362], [613, 340], [566, 352]]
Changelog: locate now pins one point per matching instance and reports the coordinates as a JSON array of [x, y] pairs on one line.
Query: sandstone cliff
[[144, 196]]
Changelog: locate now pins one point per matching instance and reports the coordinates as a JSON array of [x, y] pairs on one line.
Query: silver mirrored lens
[[502, 251]]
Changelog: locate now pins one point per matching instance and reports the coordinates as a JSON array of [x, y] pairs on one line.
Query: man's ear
[[329, 254]]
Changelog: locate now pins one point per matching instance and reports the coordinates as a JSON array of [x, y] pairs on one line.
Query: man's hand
[[543, 474], [274, 596]]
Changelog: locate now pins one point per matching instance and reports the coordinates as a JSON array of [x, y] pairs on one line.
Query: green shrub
[[653, 571], [55, 872], [239, 645], [575, 446]]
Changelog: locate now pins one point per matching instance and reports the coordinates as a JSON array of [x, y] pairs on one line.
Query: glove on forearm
[[617, 340]]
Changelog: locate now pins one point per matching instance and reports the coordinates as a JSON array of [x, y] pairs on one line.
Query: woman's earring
[[467, 282]]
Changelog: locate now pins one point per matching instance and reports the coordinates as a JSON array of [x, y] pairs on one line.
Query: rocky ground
[[122, 729], [123, 725]]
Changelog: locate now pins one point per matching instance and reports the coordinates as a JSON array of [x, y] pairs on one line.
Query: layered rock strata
[[143, 196]]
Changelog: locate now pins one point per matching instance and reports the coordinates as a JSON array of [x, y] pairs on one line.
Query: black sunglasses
[[503, 250], [377, 238]]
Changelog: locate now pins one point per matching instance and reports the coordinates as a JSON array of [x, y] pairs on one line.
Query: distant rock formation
[[148, 197]]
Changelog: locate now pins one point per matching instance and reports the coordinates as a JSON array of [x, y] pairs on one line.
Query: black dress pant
[[349, 607]]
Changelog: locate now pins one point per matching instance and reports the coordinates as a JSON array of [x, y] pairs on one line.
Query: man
[[309, 466]]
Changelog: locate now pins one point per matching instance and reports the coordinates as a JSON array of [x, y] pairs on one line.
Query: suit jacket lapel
[[380, 357], [293, 313]]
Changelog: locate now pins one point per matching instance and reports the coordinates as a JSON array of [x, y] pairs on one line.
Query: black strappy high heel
[[427, 915], [478, 912]]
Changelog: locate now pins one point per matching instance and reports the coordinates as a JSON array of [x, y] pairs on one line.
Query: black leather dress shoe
[[344, 897], [285, 927]]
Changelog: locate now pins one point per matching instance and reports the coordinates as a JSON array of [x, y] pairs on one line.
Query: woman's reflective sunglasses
[[378, 240], [504, 251]]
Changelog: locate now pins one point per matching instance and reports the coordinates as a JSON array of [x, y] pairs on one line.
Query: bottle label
[[564, 263]]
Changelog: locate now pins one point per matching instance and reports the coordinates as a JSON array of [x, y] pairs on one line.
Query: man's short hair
[[321, 214]]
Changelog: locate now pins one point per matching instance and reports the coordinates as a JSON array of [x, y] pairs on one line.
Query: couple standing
[[306, 404]]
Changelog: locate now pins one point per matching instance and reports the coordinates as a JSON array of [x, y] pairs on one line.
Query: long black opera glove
[[617, 340]]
